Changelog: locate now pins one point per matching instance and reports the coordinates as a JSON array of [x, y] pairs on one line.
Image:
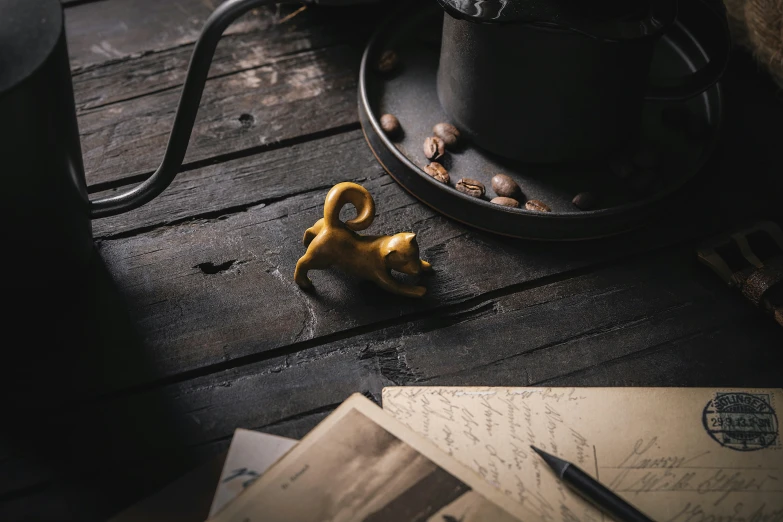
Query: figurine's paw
[[417, 291], [425, 266], [305, 283]]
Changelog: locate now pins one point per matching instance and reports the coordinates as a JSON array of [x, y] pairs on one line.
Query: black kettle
[[565, 80]]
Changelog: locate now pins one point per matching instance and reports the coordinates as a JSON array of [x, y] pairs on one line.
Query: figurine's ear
[[398, 243]]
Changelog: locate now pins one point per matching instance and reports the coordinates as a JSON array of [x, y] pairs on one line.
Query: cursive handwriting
[[469, 423], [739, 513], [638, 459], [492, 429], [489, 413]]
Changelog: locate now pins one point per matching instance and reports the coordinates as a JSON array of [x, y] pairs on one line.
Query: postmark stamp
[[741, 421]]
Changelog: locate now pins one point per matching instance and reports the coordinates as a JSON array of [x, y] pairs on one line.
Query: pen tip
[[558, 465]]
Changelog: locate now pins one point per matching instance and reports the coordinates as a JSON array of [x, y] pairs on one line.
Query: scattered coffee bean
[[390, 124], [622, 168], [471, 187], [584, 201], [447, 132], [538, 206], [505, 186], [434, 148], [437, 171], [388, 62], [506, 202]]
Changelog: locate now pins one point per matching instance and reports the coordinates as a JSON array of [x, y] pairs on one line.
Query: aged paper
[[678, 454], [251, 453], [360, 464]]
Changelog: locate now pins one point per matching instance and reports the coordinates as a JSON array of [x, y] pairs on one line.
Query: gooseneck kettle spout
[[185, 116]]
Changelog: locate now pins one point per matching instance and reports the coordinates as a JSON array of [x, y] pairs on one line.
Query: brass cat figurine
[[332, 242]]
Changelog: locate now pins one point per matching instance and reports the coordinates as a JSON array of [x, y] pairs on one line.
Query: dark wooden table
[[190, 324]]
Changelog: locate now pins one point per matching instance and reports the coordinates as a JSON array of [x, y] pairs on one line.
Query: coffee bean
[[506, 202], [447, 132], [434, 148], [388, 62], [437, 171], [505, 186], [584, 201], [471, 187], [390, 124], [538, 206]]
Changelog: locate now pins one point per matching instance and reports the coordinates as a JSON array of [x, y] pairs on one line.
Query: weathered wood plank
[[186, 314], [117, 29], [509, 339], [261, 45], [188, 318], [270, 81], [230, 187], [611, 324], [304, 93]]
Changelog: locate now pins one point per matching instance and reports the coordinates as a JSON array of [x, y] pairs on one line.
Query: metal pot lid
[[603, 19]]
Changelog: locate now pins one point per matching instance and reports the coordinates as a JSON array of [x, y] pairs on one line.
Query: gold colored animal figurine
[[332, 242]]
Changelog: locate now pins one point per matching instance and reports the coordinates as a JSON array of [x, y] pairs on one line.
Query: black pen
[[592, 490]]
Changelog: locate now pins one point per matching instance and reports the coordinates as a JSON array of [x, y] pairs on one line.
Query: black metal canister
[[560, 81]]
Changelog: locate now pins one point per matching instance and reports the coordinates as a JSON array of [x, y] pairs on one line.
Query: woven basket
[[758, 26]]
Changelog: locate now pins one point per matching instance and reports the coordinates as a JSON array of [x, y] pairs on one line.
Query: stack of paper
[[463, 454]]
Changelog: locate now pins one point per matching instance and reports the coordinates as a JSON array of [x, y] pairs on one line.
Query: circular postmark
[[741, 421]]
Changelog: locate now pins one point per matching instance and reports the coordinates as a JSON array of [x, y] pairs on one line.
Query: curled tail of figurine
[[344, 193]]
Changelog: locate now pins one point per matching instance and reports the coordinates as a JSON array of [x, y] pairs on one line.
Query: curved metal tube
[[189, 101]]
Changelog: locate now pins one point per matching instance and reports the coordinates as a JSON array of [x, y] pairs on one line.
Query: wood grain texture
[[625, 325], [305, 93], [270, 81], [112, 30], [190, 316], [199, 288], [258, 46], [236, 185]]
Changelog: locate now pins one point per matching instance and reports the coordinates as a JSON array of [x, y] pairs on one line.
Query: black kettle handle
[[712, 32]]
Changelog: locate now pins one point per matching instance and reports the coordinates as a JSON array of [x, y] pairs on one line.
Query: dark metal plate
[[675, 151]]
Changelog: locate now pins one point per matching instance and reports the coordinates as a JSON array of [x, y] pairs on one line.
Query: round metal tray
[[676, 140]]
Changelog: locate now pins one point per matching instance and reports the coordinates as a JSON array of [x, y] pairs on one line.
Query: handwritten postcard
[[360, 464], [251, 453], [678, 454]]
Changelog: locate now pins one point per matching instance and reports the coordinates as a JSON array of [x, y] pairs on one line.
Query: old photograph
[[356, 470]]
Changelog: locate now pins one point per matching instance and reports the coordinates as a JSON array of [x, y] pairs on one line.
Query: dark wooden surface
[[189, 324]]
